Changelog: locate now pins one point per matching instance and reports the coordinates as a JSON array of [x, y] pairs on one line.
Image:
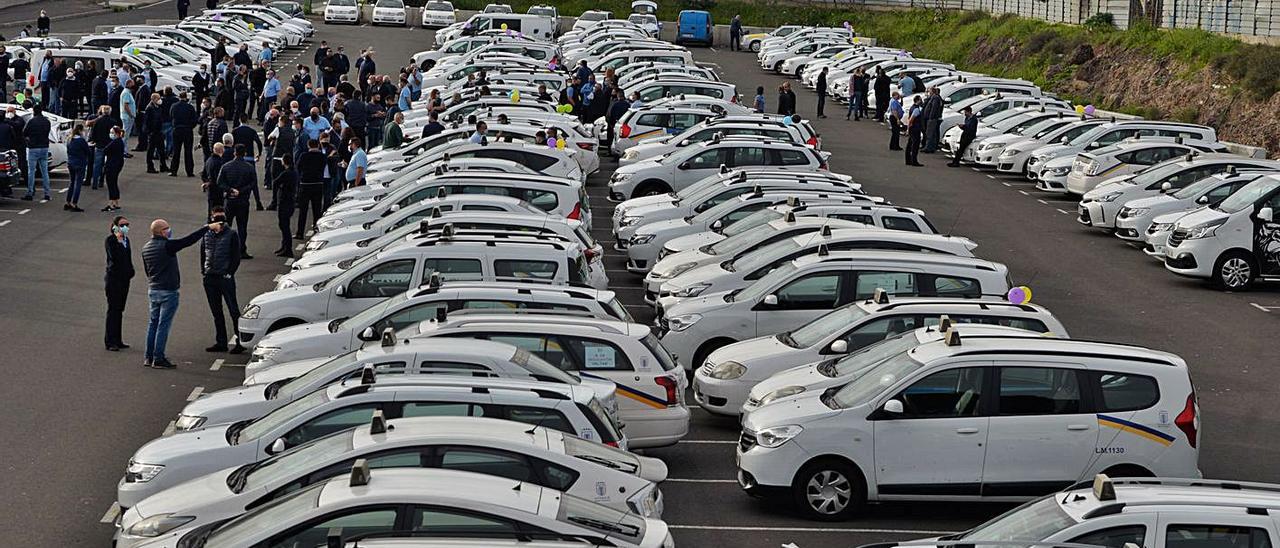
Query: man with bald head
[[160, 261]]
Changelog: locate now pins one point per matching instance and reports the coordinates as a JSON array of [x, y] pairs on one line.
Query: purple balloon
[[551, 143], [1089, 110]]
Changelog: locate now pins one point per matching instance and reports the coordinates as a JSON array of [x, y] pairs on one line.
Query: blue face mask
[[124, 230]]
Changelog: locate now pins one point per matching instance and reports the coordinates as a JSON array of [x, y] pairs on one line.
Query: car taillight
[[626, 131], [611, 443], [1187, 420], [813, 141], [669, 383], [590, 253], [824, 166], [576, 214], [589, 147]]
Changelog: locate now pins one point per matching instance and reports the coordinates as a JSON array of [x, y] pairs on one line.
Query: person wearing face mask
[[119, 272], [219, 259], [238, 180], [315, 125], [112, 163], [160, 262], [358, 164]]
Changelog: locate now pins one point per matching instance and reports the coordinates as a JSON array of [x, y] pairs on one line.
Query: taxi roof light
[[378, 424], [1103, 489], [360, 473], [881, 296], [952, 338], [367, 374], [389, 336], [944, 323]]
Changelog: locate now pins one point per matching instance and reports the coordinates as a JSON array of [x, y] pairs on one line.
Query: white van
[[1235, 242]]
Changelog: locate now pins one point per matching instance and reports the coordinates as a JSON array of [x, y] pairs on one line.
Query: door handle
[[1077, 427], [966, 430]]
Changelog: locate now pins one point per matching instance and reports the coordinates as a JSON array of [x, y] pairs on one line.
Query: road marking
[[617, 271], [24, 212], [5, 222], [1064, 212], [1042, 201], [807, 529], [1007, 184], [1023, 192], [688, 480], [975, 169], [112, 513], [170, 429], [195, 393], [298, 247], [990, 176], [217, 364], [1266, 309], [277, 277], [640, 306], [288, 262], [717, 442], [63, 191]]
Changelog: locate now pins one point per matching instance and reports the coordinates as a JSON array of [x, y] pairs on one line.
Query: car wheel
[[829, 490], [1235, 271], [706, 349], [799, 71], [755, 46], [1128, 471], [651, 188]]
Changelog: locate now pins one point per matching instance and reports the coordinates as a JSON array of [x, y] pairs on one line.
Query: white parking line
[[1023, 192], [298, 247], [1042, 201], [689, 480], [288, 262], [63, 190], [112, 512], [989, 176], [217, 364], [5, 222], [195, 393], [1266, 309], [277, 277], [617, 271], [1064, 212], [807, 529], [1007, 184], [24, 212]]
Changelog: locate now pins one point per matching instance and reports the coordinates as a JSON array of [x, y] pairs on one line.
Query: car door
[[700, 166], [937, 445], [803, 299], [1187, 529], [1042, 433], [357, 521], [376, 283], [1266, 237]]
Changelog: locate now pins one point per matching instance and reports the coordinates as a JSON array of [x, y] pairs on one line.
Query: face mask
[[121, 230], [315, 117], [168, 232]]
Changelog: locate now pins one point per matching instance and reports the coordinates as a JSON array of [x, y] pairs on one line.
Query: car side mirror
[[368, 334], [1203, 200], [1266, 215], [340, 291], [893, 407], [717, 226], [770, 300], [1093, 145], [1166, 186], [683, 165], [840, 346], [277, 446]]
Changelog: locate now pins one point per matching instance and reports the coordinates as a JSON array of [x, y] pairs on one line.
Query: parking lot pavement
[[75, 413]]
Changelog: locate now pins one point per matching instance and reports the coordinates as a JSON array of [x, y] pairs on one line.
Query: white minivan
[[1235, 242]]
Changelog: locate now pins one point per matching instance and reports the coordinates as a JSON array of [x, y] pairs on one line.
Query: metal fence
[[1259, 18]]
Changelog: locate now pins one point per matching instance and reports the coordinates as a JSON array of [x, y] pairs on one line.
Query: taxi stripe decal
[[1136, 429], [632, 393]]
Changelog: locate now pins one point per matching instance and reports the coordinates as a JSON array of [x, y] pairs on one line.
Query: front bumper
[[1187, 259], [341, 17], [640, 258], [1095, 214], [1048, 182], [720, 397], [389, 19], [1131, 229], [762, 470]]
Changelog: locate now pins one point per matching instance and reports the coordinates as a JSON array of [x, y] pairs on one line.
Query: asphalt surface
[[74, 413]]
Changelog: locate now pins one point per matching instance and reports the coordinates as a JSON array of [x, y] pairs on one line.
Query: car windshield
[[592, 16], [755, 219], [733, 244], [1249, 195], [372, 314], [871, 355], [1199, 187], [285, 510], [342, 2], [1088, 136], [1158, 173], [751, 261], [642, 19], [390, 4], [279, 417], [769, 281], [873, 381], [818, 330], [601, 454], [1044, 133], [283, 468], [1034, 521], [439, 6], [307, 381], [601, 518]]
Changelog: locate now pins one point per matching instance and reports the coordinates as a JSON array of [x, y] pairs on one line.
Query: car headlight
[[781, 393], [189, 422], [777, 435], [727, 371], [628, 221], [641, 239], [681, 269], [329, 224], [157, 525], [989, 146], [1058, 170], [287, 283], [315, 245], [251, 312], [1047, 156], [683, 321], [1134, 212], [1204, 231], [262, 353], [691, 291], [620, 177], [1010, 152], [1159, 227], [1108, 197], [630, 155], [141, 472]]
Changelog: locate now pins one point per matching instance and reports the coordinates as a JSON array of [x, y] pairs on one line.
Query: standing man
[[881, 87], [915, 130], [359, 163], [209, 175], [42, 24], [311, 178], [906, 86], [185, 118], [895, 121], [367, 68], [270, 94], [786, 99], [968, 131], [119, 272], [822, 92], [99, 138], [394, 137], [933, 120], [219, 259], [36, 136], [735, 33], [4, 72], [160, 261], [285, 184], [317, 60], [200, 82], [128, 113], [153, 126], [238, 180], [356, 114], [182, 8], [433, 126]]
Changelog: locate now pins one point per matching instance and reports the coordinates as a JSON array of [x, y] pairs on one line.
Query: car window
[[748, 156], [452, 269], [945, 394], [487, 461], [879, 330], [708, 159], [352, 522], [1215, 536], [741, 213], [541, 199], [451, 522], [684, 120], [410, 316], [547, 418], [525, 269], [328, 423], [384, 280], [1126, 391], [441, 409], [856, 217], [480, 208], [900, 223], [1220, 193], [1114, 537], [536, 162], [790, 156], [1017, 323], [1039, 391], [950, 286], [817, 291], [656, 120], [594, 355], [548, 348], [1189, 176], [892, 282], [456, 368]]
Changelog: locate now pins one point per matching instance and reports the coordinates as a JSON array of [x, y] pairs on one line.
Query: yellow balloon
[[1079, 109], [504, 26], [515, 96], [560, 143]]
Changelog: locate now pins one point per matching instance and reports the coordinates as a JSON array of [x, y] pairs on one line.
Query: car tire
[[652, 187], [700, 356], [1128, 471], [829, 490], [283, 323], [755, 46], [1235, 271], [799, 72]]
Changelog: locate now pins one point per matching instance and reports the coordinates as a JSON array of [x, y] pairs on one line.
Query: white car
[[695, 162], [647, 21], [543, 456], [761, 128], [651, 384], [342, 11], [183, 456], [390, 12], [1136, 216], [732, 372], [1232, 243], [437, 14], [1109, 134], [998, 124], [589, 18], [438, 503], [1098, 207], [950, 418], [1089, 169], [988, 149], [1016, 154]]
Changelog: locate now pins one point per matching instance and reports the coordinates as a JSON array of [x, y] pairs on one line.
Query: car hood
[[180, 446], [631, 169], [316, 274], [663, 268], [1199, 217], [664, 227], [1003, 139], [806, 376], [330, 254], [693, 241], [231, 405], [1160, 201], [1057, 149], [281, 338], [1059, 162], [705, 273], [758, 350], [644, 151], [280, 295], [697, 305], [286, 370], [655, 209], [201, 492], [347, 211], [1114, 184], [344, 234], [1172, 217], [802, 409]]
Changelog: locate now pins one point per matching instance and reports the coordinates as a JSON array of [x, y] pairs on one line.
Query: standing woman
[[78, 158], [114, 163], [119, 272]]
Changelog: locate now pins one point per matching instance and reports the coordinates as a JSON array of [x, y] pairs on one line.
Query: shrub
[[1038, 41], [971, 17], [1255, 67], [1100, 22]]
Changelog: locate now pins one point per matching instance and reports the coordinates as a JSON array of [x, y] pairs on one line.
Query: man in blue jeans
[[160, 260], [36, 135]]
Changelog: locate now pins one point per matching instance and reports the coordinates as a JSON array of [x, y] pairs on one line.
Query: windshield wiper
[[273, 389], [233, 432], [628, 530], [828, 369], [631, 468], [728, 266], [237, 479], [785, 338], [335, 324]]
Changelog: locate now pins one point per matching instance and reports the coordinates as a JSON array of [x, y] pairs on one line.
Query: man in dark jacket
[[238, 180], [285, 188], [153, 126], [4, 71], [821, 90], [367, 68], [119, 272], [100, 91], [160, 261], [357, 114], [184, 118], [21, 66], [99, 138], [968, 131], [36, 136], [881, 88], [200, 82], [209, 175], [242, 58], [321, 53], [219, 259], [281, 143], [247, 137], [311, 180], [932, 121]]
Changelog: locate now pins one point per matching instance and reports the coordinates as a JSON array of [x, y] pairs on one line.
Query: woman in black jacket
[[119, 272]]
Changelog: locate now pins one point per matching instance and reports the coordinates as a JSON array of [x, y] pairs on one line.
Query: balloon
[[251, 26], [1079, 109], [20, 97], [504, 26], [515, 96], [551, 65], [1019, 295], [560, 144], [564, 109], [787, 120], [847, 25], [1089, 110], [134, 51], [551, 142]]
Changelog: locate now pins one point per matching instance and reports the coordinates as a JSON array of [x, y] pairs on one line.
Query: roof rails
[[574, 319]]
